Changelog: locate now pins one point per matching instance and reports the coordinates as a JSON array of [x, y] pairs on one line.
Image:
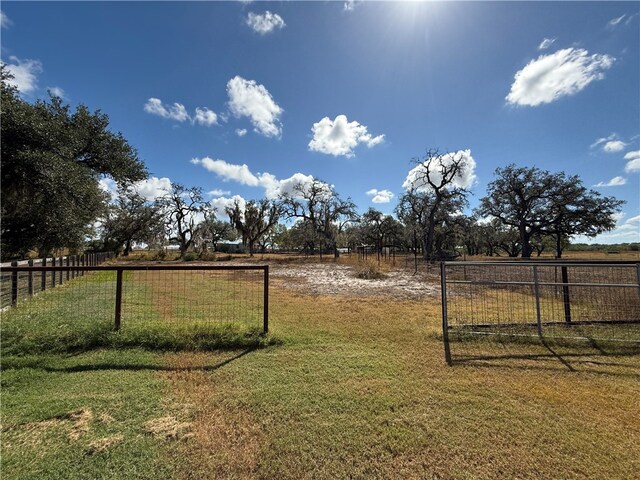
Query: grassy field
[[355, 387]]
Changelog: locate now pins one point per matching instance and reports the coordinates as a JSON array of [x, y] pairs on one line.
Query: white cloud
[[340, 137], [546, 43], [632, 165], [109, 186], [220, 204], [152, 187], [465, 179], [249, 99], [265, 23], [614, 146], [176, 112], [615, 21], [205, 117], [56, 91], [5, 22], [350, 5], [380, 196], [614, 182], [228, 171], [24, 73], [610, 144], [293, 186], [628, 231], [243, 175], [553, 76], [632, 155], [241, 132], [216, 192]]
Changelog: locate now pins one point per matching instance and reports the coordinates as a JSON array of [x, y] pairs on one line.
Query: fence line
[[72, 266], [155, 286], [596, 301]]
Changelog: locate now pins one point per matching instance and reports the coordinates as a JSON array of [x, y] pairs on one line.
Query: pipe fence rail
[[525, 301], [136, 296], [14, 285]]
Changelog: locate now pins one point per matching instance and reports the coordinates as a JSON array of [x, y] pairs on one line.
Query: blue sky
[[247, 98]]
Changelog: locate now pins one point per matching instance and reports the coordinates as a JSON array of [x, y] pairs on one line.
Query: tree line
[[53, 160]]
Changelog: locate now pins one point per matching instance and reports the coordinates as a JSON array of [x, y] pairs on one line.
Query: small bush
[[190, 256], [208, 257], [370, 271]]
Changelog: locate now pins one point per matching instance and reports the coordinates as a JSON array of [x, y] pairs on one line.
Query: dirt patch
[[336, 279], [168, 428], [102, 444]]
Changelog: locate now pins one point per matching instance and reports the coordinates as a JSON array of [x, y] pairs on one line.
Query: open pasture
[[355, 385]]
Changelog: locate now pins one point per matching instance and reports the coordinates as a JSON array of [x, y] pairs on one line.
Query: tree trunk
[[558, 246], [524, 240]]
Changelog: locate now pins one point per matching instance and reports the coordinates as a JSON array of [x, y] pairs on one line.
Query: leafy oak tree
[[537, 203], [52, 161], [131, 218], [323, 213], [255, 220]]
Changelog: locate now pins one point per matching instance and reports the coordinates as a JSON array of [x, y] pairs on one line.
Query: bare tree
[[436, 181], [183, 210]]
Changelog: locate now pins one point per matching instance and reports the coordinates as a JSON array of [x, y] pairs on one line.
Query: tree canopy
[[537, 202], [52, 161], [323, 213]]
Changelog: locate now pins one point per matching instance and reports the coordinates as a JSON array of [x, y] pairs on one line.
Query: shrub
[[370, 271], [190, 256]]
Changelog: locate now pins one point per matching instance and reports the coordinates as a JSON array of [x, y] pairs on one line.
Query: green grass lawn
[[354, 388]]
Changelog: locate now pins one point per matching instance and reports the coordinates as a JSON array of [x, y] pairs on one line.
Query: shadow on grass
[[574, 355], [13, 363]]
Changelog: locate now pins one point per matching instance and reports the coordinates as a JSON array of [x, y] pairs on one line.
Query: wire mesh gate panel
[[97, 299], [567, 302]]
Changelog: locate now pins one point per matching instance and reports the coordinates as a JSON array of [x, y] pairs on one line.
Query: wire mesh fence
[[33, 282], [567, 303], [164, 306]]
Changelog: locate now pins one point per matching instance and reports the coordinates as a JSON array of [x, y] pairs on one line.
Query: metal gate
[[539, 300]]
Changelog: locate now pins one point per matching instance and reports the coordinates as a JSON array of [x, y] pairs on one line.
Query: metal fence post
[[43, 277], [445, 320], [265, 321], [30, 279], [118, 313], [638, 277], [536, 287], [14, 284], [53, 272], [60, 280], [565, 294]]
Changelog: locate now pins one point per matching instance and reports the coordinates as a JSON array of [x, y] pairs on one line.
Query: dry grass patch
[[103, 444], [168, 428], [227, 440], [360, 390]]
